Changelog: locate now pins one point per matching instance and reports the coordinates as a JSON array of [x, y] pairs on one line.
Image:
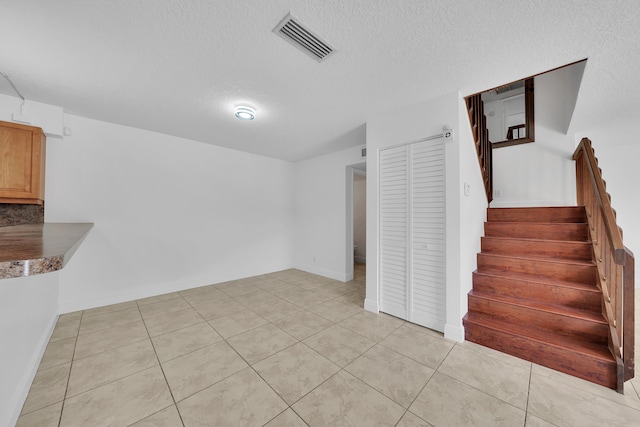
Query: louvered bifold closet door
[[427, 234], [394, 231]]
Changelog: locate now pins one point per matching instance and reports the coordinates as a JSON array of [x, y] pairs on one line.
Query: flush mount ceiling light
[[245, 113]]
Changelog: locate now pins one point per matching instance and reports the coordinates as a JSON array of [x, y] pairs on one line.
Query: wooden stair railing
[[615, 263], [475, 106]]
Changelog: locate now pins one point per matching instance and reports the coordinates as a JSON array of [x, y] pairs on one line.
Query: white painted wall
[[542, 173], [618, 149], [28, 312], [360, 217], [465, 215], [320, 225], [169, 213]]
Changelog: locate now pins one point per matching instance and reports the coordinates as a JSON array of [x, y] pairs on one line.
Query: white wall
[[169, 213], [542, 173], [360, 216], [28, 312], [473, 214], [618, 149], [320, 226], [412, 124]]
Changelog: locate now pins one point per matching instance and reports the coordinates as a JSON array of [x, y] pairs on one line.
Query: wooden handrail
[[478, 122], [595, 173], [615, 263]]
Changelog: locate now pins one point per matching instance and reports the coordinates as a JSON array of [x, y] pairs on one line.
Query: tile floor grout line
[[110, 349], [298, 342], [278, 414], [274, 390], [163, 373], [104, 329], [526, 407], [482, 391], [425, 385], [415, 360], [342, 369], [90, 316], [73, 357], [158, 411], [239, 355], [414, 399], [299, 416], [428, 381]]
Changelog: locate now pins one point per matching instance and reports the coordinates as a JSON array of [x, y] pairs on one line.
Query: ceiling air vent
[[295, 33]]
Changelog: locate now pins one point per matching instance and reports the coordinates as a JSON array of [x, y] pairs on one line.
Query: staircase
[[534, 293]]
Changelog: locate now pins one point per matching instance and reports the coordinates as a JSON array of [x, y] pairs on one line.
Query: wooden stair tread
[[533, 223], [563, 261], [532, 239], [553, 231], [562, 310], [596, 351], [539, 279], [566, 243], [552, 260], [537, 257], [533, 214]]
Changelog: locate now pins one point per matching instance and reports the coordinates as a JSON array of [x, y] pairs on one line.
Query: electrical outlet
[[467, 189], [499, 192]]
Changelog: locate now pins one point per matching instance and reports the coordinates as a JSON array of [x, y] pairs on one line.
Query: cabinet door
[[21, 164]]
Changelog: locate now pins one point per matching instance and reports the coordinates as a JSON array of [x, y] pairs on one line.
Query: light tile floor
[[293, 349]]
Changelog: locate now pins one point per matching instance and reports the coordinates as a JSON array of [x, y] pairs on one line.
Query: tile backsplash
[[16, 214]]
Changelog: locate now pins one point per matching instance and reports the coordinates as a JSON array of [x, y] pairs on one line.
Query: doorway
[[356, 219]]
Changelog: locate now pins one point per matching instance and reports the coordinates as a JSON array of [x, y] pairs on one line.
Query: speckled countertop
[[30, 249]]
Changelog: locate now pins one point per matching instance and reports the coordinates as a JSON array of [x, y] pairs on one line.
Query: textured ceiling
[[179, 67]]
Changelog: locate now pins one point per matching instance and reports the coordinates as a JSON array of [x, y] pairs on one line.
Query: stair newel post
[[628, 349]]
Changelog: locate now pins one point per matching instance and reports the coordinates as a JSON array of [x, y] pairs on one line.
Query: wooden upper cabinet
[[22, 160]]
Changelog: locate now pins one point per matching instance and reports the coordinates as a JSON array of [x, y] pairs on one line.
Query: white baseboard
[[371, 305], [32, 368], [335, 275], [454, 332]]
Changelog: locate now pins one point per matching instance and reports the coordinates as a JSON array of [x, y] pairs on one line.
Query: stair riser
[[546, 293], [560, 359], [580, 273], [572, 232], [547, 249], [566, 214], [563, 325]]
